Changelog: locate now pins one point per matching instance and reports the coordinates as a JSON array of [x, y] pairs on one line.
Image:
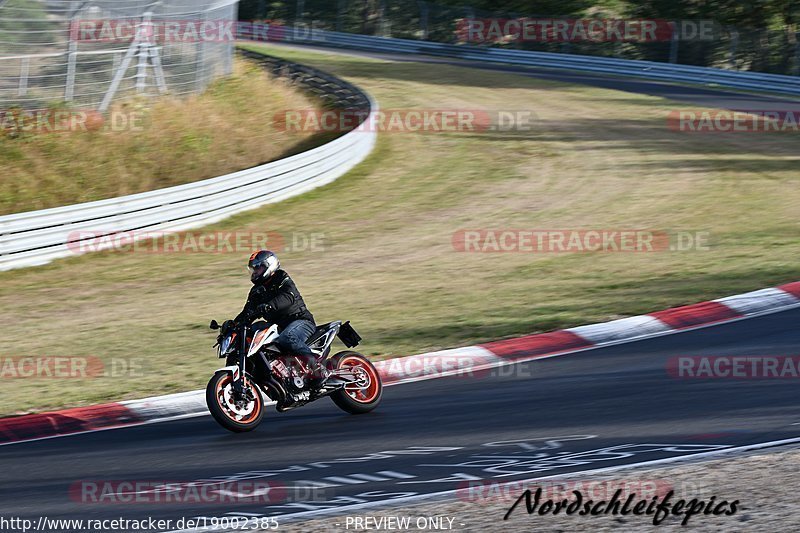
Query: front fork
[[238, 384]]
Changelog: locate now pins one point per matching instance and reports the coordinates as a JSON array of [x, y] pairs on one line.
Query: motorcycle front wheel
[[365, 394], [232, 414]]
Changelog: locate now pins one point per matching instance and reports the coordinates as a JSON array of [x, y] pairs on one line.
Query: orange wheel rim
[[241, 415], [366, 389]]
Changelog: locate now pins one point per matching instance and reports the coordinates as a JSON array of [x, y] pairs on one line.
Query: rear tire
[[223, 409], [362, 398]]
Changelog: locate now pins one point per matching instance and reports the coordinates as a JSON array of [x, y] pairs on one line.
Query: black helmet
[[262, 265]]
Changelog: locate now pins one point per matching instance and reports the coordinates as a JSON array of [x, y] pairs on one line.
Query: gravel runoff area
[[764, 482]]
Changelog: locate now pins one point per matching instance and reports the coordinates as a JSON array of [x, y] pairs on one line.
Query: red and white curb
[[427, 365]]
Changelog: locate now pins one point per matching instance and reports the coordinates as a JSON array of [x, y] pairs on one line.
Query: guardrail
[[37, 237], [669, 72]]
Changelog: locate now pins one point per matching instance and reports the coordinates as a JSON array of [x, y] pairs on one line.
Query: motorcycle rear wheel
[[358, 398], [224, 409]]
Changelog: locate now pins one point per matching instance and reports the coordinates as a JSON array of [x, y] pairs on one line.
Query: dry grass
[[176, 141], [594, 159]]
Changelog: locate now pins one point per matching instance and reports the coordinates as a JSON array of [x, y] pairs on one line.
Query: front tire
[[237, 417], [364, 396]]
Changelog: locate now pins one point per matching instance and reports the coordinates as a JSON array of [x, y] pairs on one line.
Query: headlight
[[225, 346]]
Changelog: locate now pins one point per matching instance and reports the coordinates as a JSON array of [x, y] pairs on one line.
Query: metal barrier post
[[673, 44], [24, 71]]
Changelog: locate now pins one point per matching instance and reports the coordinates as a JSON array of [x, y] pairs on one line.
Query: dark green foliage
[[758, 35]]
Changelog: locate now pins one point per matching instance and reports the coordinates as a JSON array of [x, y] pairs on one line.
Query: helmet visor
[[257, 271]]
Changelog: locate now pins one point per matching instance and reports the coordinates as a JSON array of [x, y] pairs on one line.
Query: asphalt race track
[[577, 412], [595, 409]]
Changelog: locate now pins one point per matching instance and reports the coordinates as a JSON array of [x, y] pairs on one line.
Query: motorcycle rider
[[275, 297]]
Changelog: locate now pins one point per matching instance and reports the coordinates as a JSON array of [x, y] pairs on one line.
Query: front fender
[[233, 370]]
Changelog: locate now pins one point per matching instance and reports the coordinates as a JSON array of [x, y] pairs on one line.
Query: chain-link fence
[[775, 50], [90, 52]]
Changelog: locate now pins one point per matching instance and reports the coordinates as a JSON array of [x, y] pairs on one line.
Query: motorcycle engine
[[279, 369], [292, 377], [298, 383]]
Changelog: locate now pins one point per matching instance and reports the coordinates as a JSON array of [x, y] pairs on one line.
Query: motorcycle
[[257, 369]]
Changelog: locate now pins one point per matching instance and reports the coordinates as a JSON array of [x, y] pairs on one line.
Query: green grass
[[594, 159]]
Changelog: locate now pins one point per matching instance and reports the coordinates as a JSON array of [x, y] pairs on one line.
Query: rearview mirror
[[214, 325]]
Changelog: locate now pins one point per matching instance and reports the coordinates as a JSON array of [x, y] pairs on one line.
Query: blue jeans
[[294, 336]]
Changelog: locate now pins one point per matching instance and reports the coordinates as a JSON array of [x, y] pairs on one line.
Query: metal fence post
[[673, 44], [382, 18], [796, 68], [201, 60], [146, 31], [72, 53], [227, 67], [734, 33], [340, 7], [69, 89], [158, 70], [141, 68], [24, 71], [118, 75], [423, 18]]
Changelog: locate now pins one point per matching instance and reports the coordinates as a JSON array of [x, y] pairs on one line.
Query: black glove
[[247, 317], [263, 310]]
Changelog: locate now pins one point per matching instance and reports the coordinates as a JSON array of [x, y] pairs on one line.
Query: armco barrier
[[37, 237], [735, 79]]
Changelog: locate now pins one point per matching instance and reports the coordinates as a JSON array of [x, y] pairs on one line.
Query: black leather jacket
[[280, 294]]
